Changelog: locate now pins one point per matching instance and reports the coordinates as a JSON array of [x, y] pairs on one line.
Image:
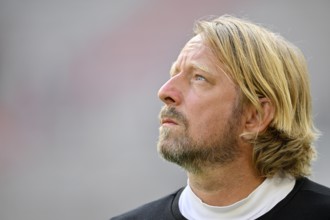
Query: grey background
[[78, 103]]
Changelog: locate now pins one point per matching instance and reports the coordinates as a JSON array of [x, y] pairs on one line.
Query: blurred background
[[79, 105]]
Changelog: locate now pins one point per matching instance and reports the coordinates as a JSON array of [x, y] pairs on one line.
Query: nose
[[169, 92]]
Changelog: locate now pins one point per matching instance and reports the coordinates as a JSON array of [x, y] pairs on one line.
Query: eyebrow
[[200, 67], [173, 68], [194, 65]]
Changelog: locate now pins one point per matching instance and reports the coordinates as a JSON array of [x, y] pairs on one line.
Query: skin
[[206, 98]]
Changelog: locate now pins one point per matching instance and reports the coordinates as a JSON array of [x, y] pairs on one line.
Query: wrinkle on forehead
[[198, 41], [194, 50], [198, 55]]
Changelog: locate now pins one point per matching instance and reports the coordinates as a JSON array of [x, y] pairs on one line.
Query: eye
[[200, 78]]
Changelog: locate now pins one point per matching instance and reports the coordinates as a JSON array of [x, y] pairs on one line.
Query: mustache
[[171, 112]]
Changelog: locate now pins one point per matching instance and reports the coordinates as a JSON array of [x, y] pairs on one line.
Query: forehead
[[196, 49], [197, 54]]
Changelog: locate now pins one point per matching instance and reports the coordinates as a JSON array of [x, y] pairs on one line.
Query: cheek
[[209, 114], [206, 122]]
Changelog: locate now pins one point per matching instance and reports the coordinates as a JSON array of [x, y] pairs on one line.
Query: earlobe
[[258, 121]]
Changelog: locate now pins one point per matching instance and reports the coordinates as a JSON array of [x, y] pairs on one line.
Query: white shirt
[[259, 202]]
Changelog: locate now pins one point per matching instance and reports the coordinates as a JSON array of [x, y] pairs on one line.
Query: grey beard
[[194, 156]]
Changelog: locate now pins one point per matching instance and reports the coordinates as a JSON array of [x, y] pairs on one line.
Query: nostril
[[169, 100]]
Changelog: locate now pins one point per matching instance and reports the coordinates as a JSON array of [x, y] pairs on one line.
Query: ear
[[256, 122]]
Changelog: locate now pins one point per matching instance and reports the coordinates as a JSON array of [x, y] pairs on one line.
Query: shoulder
[[158, 209], [307, 200], [314, 188], [314, 195]]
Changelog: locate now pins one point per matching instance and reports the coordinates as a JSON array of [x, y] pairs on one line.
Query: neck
[[225, 185]]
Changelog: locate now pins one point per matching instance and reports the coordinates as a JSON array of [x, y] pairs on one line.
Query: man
[[237, 118]]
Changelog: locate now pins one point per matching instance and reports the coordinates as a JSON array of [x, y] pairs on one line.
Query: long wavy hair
[[264, 64]]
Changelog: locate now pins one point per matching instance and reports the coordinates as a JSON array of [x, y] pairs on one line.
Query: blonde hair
[[264, 64]]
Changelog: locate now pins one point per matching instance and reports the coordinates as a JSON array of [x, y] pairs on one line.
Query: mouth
[[168, 121]]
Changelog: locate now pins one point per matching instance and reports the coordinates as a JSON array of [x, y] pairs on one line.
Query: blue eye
[[200, 78]]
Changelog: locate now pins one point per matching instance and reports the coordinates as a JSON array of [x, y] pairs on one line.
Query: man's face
[[200, 122]]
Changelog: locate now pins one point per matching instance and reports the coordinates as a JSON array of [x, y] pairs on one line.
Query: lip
[[168, 121]]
